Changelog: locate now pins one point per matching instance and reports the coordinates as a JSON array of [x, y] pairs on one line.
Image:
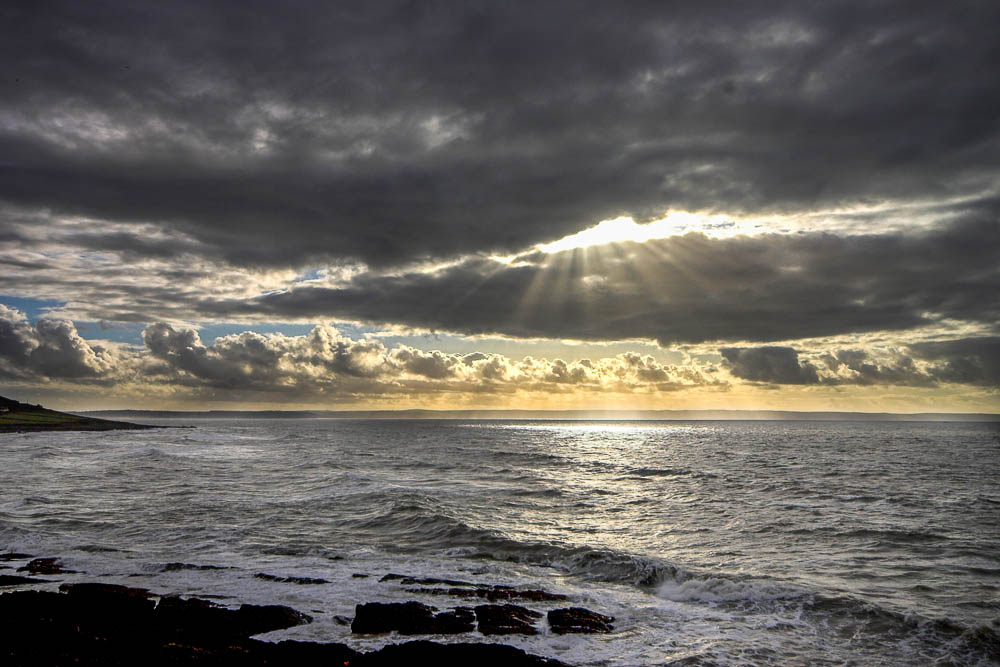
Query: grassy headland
[[17, 417]]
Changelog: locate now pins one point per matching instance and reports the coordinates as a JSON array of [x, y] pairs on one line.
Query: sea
[[709, 542]]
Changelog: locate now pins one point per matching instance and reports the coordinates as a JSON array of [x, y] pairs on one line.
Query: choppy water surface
[[710, 542]]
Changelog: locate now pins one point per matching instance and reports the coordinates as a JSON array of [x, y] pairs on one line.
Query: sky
[[579, 205]]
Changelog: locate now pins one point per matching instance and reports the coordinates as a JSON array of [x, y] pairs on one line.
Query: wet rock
[[433, 581], [108, 593], [102, 624], [45, 566], [461, 619], [380, 617], [194, 618], [359, 575], [255, 619], [174, 567], [15, 580], [290, 580], [341, 620], [392, 576], [13, 555], [432, 653], [578, 619], [506, 619], [492, 593], [410, 618]]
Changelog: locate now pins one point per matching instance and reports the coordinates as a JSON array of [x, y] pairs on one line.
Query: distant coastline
[[556, 415]]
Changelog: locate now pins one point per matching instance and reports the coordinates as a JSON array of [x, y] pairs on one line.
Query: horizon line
[[569, 414]]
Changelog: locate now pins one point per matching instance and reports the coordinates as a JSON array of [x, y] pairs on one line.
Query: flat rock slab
[[492, 593], [290, 580], [174, 567], [110, 593], [578, 619]]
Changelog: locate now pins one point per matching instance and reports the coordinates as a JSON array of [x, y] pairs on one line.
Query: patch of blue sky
[[32, 308], [119, 332], [311, 274]]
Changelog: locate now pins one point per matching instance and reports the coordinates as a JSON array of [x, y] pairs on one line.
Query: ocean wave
[[659, 472], [726, 589], [941, 640], [890, 535]]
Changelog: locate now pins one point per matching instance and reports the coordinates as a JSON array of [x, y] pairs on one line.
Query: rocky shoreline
[[110, 624]]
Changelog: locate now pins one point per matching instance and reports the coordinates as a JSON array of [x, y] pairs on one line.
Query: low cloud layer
[[326, 365], [972, 361], [778, 365]]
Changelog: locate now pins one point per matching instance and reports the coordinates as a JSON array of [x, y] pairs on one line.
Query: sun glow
[[625, 228], [854, 219]]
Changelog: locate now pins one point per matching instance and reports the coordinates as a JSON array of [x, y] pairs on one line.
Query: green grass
[[24, 417]]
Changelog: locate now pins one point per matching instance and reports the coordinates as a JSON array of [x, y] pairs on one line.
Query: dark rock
[[341, 620], [410, 618], [392, 577], [578, 619], [380, 617], [359, 575], [107, 593], [194, 618], [101, 624], [93, 625], [461, 619], [173, 567], [45, 566], [432, 581], [13, 555], [291, 652], [432, 653], [109, 610], [14, 580], [290, 580], [506, 619], [255, 619]]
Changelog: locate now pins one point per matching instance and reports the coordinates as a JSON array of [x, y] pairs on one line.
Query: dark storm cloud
[[968, 360], [972, 361], [778, 365], [861, 368], [683, 289], [393, 131]]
